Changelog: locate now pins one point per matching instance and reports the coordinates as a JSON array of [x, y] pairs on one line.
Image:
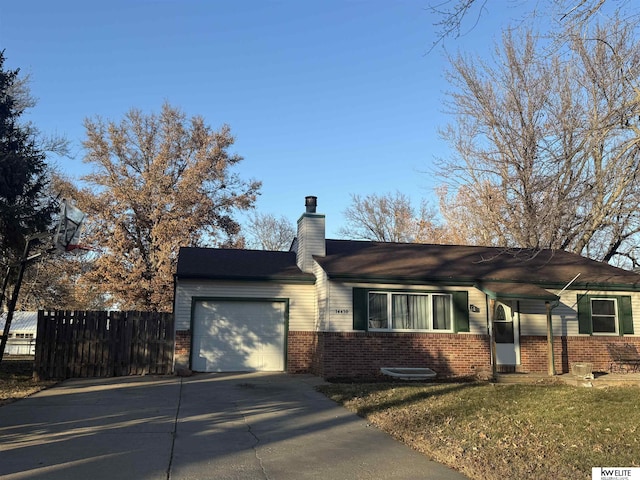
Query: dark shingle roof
[[515, 290], [233, 264], [485, 267], [375, 261]]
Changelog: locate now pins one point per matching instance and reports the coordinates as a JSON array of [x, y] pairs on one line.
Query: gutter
[[470, 282], [264, 278]]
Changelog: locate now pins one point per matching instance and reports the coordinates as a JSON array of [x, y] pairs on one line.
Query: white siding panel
[[323, 300], [311, 229], [302, 299], [533, 318], [533, 314], [340, 308], [635, 307], [478, 321]]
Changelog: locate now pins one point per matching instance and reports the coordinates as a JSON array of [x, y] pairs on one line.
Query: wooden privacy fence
[[103, 344]]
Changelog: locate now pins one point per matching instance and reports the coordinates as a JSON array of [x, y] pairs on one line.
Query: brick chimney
[[311, 231]]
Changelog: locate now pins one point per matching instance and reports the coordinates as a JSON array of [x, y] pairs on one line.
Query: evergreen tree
[[24, 206]]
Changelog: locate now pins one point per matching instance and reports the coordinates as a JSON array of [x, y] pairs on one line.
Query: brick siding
[[301, 348], [361, 354], [182, 349], [569, 350]]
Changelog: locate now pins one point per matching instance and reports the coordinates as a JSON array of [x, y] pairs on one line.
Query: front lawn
[[489, 431], [16, 381]]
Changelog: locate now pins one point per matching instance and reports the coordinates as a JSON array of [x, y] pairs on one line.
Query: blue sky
[[326, 98]]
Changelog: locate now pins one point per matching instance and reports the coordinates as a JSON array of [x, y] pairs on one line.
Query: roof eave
[[292, 279], [470, 282], [535, 292], [396, 279]]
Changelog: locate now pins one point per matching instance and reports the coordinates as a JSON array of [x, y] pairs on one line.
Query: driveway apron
[[91, 429], [209, 426]]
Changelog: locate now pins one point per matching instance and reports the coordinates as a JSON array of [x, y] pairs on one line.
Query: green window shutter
[[584, 315], [625, 315], [360, 308], [460, 311]]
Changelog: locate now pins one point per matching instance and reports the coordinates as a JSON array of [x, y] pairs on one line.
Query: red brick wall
[[182, 348], [361, 354], [301, 348], [567, 351]]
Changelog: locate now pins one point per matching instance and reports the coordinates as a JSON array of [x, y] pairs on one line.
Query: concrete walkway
[[224, 426], [601, 380]]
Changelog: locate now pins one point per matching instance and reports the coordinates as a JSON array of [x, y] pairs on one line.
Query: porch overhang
[[494, 289]]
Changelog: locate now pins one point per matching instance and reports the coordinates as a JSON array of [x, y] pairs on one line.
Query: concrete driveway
[[213, 426]]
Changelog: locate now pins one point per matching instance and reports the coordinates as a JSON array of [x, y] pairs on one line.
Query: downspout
[[173, 312]]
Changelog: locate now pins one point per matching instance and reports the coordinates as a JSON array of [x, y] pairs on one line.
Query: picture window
[[404, 311]]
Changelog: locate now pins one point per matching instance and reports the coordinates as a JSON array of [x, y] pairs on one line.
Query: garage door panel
[[238, 336]]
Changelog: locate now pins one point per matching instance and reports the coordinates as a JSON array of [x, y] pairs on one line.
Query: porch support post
[[551, 368], [492, 315]]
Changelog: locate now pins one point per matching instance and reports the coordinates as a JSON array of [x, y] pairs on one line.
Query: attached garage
[[236, 310], [239, 334]]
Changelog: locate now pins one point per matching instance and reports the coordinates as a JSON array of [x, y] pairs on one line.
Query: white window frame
[[409, 292], [616, 320], [23, 335]]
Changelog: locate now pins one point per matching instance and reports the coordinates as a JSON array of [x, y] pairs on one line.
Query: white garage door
[[234, 336]]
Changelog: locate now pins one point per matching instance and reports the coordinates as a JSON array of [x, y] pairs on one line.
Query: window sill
[[387, 330]]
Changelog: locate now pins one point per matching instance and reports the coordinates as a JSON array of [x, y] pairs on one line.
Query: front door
[[507, 332]]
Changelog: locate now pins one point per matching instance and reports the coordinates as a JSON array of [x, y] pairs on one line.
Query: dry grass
[[489, 431], [16, 381]]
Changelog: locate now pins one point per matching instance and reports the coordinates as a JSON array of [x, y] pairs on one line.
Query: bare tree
[[59, 281], [266, 232], [466, 215], [547, 146], [457, 16], [390, 217], [160, 181], [453, 13]]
